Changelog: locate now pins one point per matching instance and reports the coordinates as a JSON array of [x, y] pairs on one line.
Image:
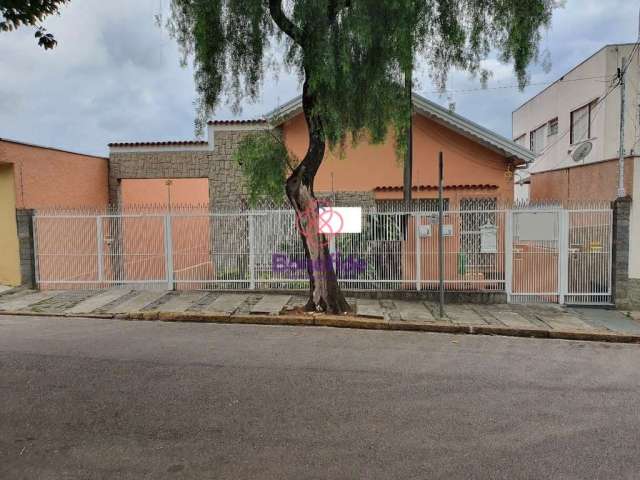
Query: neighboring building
[[479, 164], [573, 126], [36, 177]]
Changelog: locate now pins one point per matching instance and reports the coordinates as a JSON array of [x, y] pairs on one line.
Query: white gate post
[[332, 251], [100, 245], [252, 249], [508, 254], [416, 227], [168, 251], [563, 255]]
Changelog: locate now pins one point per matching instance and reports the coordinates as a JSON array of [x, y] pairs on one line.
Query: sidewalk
[[545, 320]]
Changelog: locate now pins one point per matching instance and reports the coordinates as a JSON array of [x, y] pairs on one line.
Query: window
[[476, 213], [581, 123], [552, 127], [536, 139]]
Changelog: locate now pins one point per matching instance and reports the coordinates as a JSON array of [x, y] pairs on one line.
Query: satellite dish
[[582, 151]]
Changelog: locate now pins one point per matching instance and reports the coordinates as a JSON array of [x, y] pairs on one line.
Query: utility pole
[[408, 161], [440, 233], [621, 82]]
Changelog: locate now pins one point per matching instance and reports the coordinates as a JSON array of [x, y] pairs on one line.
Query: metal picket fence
[[541, 253]]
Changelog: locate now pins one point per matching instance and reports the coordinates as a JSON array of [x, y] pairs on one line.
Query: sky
[[116, 76]]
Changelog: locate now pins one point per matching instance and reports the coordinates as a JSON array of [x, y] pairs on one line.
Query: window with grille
[[552, 127], [474, 214], [581, 123], [536, 139]]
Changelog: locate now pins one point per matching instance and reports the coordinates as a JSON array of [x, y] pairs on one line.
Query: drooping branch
[[284, 23]]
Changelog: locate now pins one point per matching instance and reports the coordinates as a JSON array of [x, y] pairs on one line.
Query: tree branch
[[283, 22]]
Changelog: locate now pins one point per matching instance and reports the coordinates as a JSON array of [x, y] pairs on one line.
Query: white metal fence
[[547, 254]]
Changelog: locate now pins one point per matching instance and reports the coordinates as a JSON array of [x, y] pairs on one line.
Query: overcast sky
[[115, 76]]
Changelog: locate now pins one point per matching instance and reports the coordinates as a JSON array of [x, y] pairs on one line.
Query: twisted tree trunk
[[324, 292]]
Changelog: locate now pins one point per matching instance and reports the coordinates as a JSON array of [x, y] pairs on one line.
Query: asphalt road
[[114, 399]]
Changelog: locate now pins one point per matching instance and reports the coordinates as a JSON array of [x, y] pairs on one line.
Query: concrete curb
[[362, 323]]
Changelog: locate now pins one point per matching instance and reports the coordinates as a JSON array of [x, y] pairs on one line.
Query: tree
[[351, 56], [16, 13]]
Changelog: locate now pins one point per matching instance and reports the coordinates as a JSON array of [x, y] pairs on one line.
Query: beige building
[[573, 127]]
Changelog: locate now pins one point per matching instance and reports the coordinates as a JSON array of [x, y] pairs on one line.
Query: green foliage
[[16, 13], [263, 159], [352, 54]]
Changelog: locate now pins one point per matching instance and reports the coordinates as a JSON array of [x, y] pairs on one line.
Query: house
[[37, 177], [479, 164], [573, 128], [478, 175]]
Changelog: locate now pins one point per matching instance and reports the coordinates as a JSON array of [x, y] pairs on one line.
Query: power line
[[501, 87]]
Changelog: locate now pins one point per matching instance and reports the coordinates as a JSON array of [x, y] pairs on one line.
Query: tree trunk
[[324, 292]]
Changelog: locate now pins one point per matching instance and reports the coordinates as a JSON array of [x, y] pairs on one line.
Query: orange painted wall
[[184, 191], [48, 178], [596, 181], [366, 166], [190, 235]]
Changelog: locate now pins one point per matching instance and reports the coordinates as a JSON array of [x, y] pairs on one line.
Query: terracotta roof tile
[[421, 188], [236, 122], [159, 144]]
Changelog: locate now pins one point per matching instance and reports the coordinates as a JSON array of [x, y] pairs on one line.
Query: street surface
[[91, 398]]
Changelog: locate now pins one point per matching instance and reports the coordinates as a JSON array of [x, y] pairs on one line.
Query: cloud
[[115, 76]]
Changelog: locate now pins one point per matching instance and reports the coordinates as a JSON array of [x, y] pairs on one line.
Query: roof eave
[[479, 133], [490, 139]]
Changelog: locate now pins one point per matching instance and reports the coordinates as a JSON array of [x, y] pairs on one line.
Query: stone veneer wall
[[348, 199], [626, 291], [226, 186]]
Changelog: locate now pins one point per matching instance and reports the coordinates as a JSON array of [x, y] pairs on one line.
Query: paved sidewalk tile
[[613, 320], [179, 302], [463, 315], [369, 308], [23, 301], [98, 301], [226, 303], [138, 302], [413, 311], [271, 304], [509, 317], [563, 321]]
